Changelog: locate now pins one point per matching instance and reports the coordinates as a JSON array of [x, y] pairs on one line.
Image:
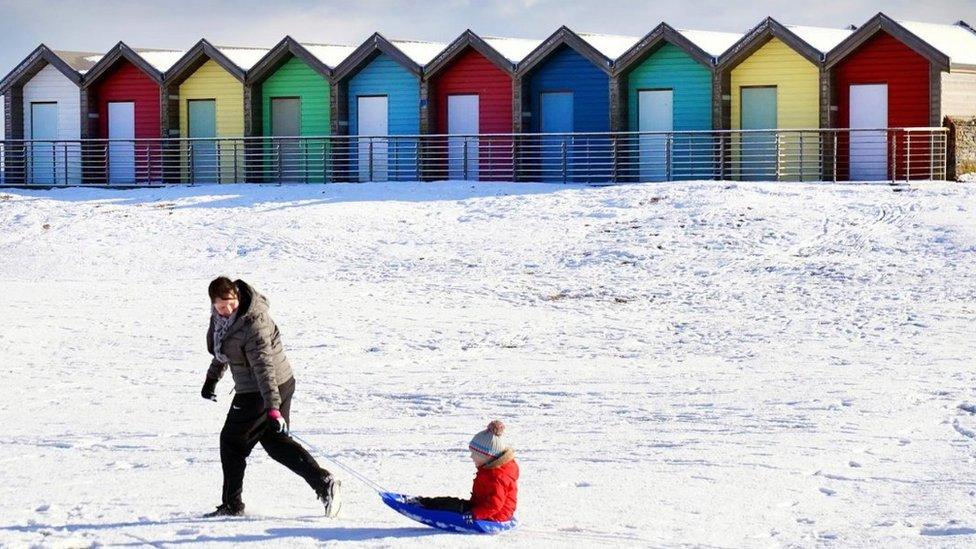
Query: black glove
[[209, 390]]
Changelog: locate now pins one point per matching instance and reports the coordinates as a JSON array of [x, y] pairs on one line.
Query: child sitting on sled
[[495, 490]]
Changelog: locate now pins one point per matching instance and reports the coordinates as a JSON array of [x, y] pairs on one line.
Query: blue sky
[[96, 25]]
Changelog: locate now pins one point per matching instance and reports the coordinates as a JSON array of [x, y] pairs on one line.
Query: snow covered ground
[[701, 364]]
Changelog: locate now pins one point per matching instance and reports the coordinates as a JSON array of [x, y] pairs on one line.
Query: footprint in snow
[[827, 491], [952, 528], [964, 430]]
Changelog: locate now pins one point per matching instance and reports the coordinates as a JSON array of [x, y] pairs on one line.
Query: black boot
[[227, 510], [328, 494]]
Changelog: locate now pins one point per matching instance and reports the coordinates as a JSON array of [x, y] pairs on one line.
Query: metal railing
[[883, 154]]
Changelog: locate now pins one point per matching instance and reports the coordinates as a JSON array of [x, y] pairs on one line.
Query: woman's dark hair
[[222, 288]]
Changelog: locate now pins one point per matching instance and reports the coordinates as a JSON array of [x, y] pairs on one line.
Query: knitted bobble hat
[[488, 443]]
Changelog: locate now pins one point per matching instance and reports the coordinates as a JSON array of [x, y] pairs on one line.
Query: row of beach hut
[[885, 73]]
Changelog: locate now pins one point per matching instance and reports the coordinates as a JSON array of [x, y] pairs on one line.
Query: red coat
[[495, 491]]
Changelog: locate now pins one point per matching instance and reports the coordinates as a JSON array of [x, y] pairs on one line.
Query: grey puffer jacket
[[253, 347]]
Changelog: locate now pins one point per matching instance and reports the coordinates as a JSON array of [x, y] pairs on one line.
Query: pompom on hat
[[488, 443]]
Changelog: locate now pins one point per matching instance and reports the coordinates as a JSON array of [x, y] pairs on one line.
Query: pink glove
[[278, 422]]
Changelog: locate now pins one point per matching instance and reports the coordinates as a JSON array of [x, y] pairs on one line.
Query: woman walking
[[243, 337]]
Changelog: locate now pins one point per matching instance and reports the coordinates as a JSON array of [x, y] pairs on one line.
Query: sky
[[96, 25]]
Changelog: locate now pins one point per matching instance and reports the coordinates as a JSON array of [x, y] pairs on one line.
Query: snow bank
[[702, 364]]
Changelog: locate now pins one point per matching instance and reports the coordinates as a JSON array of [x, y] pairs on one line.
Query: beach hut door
[[758, 155], [462, 121], [556, 152], [286, 122], [372, 120], [121, 154], [869, 149], [44, 126], [655, 114], [202, 124]]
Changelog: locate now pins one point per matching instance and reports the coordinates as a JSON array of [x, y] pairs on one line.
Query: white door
[[462, 118], [869, 149], [655, 113], [121, 154], [372, 119], [45, 160]]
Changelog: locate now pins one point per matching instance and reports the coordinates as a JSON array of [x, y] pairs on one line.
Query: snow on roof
[[420, 52], [80, 61], [956, 41], [244, 58], [821, 38], [714, 43], [161, 60], [330, 54], [611, 45], [513, 49]]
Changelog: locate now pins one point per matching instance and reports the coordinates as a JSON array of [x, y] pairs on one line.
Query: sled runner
[[444, 520]]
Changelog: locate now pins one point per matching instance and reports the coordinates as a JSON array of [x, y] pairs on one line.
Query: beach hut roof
[[762, 33], [322, 58], [564, 36], [412, 55], [468, 39], [234, 60], [942, 45], [956, 41], [652, 41], [69, 63]]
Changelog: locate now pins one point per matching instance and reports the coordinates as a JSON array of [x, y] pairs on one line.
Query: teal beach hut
[[666, 83]]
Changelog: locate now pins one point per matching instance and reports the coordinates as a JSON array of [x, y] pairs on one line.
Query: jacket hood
[[253, 303]]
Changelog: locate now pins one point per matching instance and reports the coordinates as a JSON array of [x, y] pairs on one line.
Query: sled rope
[[355, 474]]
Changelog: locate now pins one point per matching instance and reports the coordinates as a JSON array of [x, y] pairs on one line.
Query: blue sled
[[444, 520]]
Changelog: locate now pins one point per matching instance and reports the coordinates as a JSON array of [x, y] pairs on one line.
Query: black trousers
[[444, 503], [246, 425]]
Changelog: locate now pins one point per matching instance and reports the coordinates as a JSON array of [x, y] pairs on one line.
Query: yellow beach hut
[[772, 79], [213, 104]]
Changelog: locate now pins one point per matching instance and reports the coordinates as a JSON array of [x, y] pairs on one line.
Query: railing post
[[833, 162], [419, 159], [778, 152], [514, 157], [564, 165], [908, 155], [892, 145], [721, 157], [370, 151], [586, 155], [613, 159], [278, 167], [326, 147], [668, 167], [802, 175], [464, 158], [190, 174]]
